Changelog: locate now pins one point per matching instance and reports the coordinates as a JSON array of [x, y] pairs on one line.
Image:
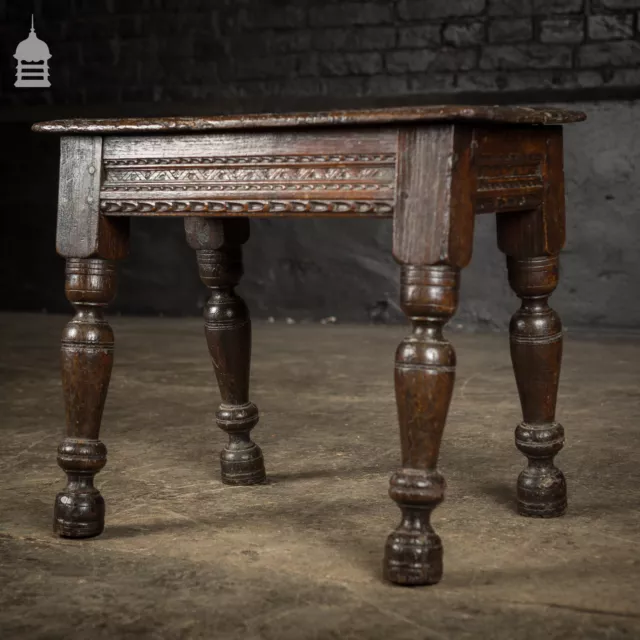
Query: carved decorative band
[[429, 276], [416, 486], [86, 346], [232, 323], [540, 439], [509, 183], [540, 263], [518, 202], [245, 207], [90, 267], [237, 418], [435, 368], [310, 173], [240, 187], [74, 448], [556, 337], [522, 182], [253, 160]]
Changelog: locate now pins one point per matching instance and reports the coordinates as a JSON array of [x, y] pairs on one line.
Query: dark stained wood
[[435, 113], [82, 232], [432, 241], [434, 210], [349, 172], [536, 353], [537, 230], [87, 359], [424, 377], [532, 240], [218, 245], [431, 168]]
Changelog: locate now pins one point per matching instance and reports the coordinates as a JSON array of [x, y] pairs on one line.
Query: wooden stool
[[430, 168]]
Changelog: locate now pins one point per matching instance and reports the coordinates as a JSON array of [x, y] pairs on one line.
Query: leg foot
[[241, 460], [541, 487], [413, 553], [79, 509]]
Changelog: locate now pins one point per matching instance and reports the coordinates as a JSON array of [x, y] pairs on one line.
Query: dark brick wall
[[246, 52]]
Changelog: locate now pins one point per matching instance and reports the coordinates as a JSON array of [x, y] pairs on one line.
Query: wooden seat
[[431, 169]]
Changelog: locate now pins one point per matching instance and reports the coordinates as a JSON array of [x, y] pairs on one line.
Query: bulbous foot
[[542, 492], [242, 465], [413, 558], [241, 460], [541, 487], [78, 514]]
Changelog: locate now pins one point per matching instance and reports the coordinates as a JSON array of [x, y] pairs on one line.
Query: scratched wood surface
[[433, 113]]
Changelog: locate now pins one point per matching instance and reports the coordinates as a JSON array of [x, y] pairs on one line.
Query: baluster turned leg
[[424, 377], [536, 353], [87, 359], [218, 245]]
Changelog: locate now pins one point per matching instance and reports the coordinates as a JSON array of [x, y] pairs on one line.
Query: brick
[[258, 68], [545, 7], [350, 13], [288, 41], [465, 34], [434, 9], [510, 7], [484, 81], [409, 61], [432, 82], [611, 27], [512, 30], [270, 17], [606, 54], [427, 35], [481, 81], [363, 39], [562, 30], [526, 56], [420, 60], [350, 64], [353, 87], [454, 60], [386, 85]]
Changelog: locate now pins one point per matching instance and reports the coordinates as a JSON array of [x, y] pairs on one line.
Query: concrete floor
[[184, 557]]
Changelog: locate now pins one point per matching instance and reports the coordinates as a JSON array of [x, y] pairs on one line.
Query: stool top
[[435, 113]]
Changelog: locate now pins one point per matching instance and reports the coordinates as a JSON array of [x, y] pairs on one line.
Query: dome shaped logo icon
[[33, 56]]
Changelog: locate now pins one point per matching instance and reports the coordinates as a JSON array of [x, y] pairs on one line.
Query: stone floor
[[184, 557]]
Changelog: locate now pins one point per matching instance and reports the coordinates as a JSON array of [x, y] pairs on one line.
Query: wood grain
[[434, 216], [87, 360], [82, 232], [218, 245], [434, 113], [538, 229]]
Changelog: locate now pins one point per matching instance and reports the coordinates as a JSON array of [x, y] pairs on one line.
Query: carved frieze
[[356, 184], [509, 182]]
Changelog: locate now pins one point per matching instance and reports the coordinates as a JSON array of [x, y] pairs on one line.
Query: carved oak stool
[[431, 169]]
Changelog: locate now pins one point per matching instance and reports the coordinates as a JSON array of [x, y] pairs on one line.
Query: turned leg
[[218, 245], [87, 359], [424, 377], [536, 353]]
